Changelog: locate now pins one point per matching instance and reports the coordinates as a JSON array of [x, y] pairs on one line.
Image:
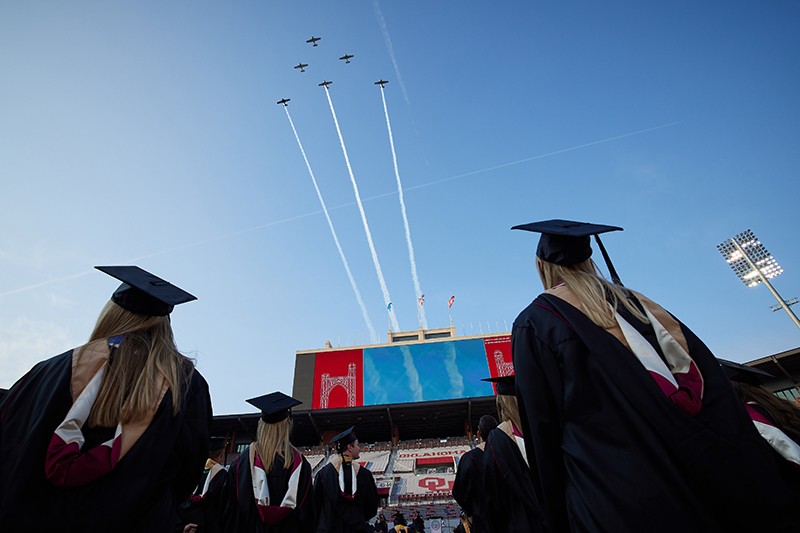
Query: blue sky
[[148, 133]]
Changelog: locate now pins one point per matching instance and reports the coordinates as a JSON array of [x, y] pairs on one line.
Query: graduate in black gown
[[269, 487], [630, 424], [468, 486], [111, 435], [777, 420], [204, 507], [509, 500], [345, 492]]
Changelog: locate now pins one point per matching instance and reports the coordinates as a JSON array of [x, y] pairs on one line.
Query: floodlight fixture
[[753, 264], [749, 259]]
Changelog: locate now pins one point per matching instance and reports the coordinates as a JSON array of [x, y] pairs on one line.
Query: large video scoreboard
[[420, 371]]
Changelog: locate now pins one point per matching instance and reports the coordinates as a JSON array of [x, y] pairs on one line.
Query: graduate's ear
[[540, 270]]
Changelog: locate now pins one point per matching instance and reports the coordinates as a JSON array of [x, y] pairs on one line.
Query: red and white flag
[[451, 301]]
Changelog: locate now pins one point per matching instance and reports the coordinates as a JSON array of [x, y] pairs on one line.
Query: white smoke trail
[[451, 366], [386, 298], [423, 321], [372, 334], [372, 381], [413, 375]]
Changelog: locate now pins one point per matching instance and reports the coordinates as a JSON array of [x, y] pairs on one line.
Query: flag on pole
[[451, 301], [421, 300]]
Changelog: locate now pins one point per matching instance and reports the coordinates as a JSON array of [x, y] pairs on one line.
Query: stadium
[[415, 402]]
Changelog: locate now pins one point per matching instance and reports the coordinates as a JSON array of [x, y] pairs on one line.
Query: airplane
[[381, 83], [284, 101], [314, 40], [301, 66], [325, 84], [346, 58]]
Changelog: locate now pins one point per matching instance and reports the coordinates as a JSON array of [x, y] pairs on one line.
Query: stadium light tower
[[752, 263]]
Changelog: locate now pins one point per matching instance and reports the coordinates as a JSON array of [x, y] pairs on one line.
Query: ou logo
[[435, 483]]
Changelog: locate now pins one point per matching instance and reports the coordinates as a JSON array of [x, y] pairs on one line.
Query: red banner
[[435, 460], [498, 356], [338, 379]]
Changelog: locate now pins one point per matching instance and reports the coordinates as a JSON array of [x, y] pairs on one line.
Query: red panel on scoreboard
[[498, 355], [338, 379]]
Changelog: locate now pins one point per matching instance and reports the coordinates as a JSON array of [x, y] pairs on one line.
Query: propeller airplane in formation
[[346, 58], [314, 40], [301, 66]]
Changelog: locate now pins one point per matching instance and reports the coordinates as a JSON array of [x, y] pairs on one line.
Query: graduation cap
[[274, 407], [506, 385], [744, 374], [143, 293], [344, 438], [565, 242]]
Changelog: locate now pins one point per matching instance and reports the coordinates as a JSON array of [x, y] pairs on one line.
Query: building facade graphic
[[348, 383]]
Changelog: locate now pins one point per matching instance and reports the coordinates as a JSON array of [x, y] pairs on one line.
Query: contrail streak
[[390, 48], [282, 221], [423, 321], [386, 298], [535, 157], [373, 335], [46, 282]]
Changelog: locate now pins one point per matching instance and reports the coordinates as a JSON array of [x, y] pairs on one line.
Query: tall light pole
[[753, 264]]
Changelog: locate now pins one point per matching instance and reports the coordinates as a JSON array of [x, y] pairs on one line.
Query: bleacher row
[[427, 511], [376, 457], [411, 475]]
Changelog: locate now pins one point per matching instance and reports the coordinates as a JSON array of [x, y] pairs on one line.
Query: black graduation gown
[[509, 501], [610, 452], [789, 470], [468, 488], [205, 510], [141, 493], [337, 514], [241, 512]]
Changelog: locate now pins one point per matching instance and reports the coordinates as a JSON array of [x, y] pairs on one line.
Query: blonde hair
[[272, 440], [594, 292], [508, 409], [131, 386], [782, 412]]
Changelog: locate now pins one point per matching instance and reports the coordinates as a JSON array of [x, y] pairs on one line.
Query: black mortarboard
[[506, 385], [344, 438], [565, 242], [744, 374], [143, 293], [274, 406]]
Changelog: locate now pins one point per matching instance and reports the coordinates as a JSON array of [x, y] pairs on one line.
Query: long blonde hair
[[272, 440], [508, 409], [131, 385], [783, 412], [594, 292]]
